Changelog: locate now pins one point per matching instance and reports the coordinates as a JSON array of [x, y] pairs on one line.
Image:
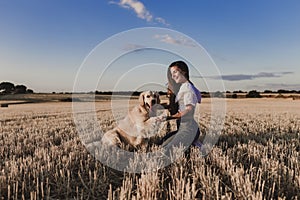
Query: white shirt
[[186, 96]]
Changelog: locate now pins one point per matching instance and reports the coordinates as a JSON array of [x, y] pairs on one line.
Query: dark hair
[[183, 67], [173, 87]]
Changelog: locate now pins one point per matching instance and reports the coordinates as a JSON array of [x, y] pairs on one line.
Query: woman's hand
[[178, 115]]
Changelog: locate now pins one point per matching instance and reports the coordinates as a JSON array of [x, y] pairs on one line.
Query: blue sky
[[255, 44]]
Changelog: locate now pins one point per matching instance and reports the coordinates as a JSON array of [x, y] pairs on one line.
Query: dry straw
[[256, 157]]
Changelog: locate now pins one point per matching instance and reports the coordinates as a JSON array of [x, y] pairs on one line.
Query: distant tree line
[[217, 94], [281, 91], [128, 93], [10, 88]]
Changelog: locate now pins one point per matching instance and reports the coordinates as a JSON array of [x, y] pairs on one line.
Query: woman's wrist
[[175, 116]]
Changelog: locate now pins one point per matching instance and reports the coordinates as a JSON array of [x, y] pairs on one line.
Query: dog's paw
[[158, 119], [162, 118]]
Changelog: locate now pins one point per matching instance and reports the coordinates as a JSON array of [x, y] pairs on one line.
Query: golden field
[[256, 156]]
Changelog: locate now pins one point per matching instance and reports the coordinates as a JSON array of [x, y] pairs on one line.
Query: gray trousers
[[187, 132]]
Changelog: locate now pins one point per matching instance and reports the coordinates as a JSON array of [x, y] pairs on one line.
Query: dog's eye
[[154, 96], [148, 96]]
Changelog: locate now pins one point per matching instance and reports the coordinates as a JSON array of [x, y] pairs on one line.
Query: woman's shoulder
[[191, 89], [187, 87]]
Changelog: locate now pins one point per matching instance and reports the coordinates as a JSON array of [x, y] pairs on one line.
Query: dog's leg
[[111, 138]]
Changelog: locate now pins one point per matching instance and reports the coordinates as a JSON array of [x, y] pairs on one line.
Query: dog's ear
[[141, 99], [157, 97]]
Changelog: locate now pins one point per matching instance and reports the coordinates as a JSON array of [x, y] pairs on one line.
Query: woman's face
[[177, 75]]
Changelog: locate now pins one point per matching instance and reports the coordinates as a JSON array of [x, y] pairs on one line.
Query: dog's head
[[148, 99]]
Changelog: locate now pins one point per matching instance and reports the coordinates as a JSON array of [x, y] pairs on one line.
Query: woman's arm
[[178, 115]]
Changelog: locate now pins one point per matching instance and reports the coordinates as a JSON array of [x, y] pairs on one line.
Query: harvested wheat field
[[256, 156]]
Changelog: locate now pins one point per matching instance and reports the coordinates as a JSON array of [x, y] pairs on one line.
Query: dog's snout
[[153, 101]]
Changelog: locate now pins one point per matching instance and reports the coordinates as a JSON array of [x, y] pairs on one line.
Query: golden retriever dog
[[139, 125]]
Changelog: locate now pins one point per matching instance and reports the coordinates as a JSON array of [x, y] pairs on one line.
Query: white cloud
[[242, 77], [162, 21], [279, 86], [140, 10], [175, 41], [133, 47]]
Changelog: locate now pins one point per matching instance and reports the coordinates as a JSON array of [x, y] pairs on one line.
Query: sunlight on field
[[256, 157]]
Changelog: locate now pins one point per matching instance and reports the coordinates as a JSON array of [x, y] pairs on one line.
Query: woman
[[183, 97]]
